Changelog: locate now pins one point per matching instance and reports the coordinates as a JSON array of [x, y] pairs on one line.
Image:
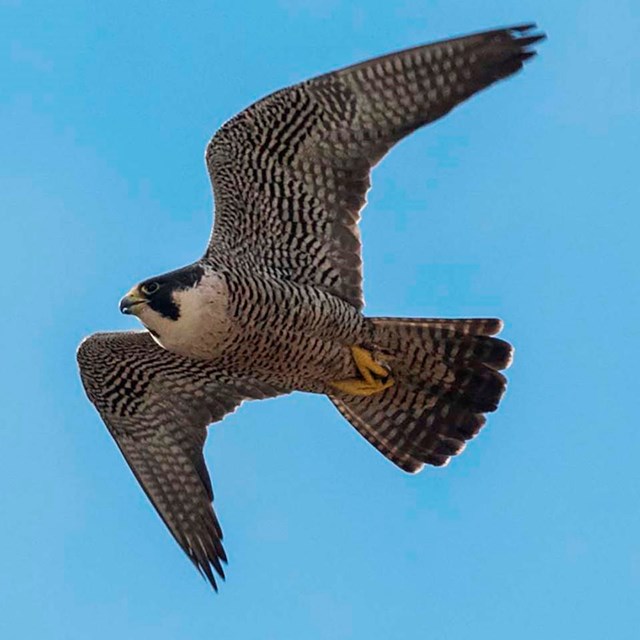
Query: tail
[[446, 375]]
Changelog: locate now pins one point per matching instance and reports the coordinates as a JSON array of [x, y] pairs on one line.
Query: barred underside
[[290, 175], [291, 172], [446, 377], [157, 406]]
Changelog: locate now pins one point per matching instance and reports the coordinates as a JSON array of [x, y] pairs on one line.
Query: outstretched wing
[[291, 172], [157, 406]]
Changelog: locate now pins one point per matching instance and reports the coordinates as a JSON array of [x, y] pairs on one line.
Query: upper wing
[[157, 405], [290, 172]]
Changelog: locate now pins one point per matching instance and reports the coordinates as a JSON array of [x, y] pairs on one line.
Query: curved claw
[[375, 377], [356, 387]]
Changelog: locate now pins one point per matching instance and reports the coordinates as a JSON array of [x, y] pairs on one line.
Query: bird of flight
[[275, 304]]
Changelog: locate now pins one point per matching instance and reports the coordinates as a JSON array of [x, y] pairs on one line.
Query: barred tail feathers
[[446, 375]]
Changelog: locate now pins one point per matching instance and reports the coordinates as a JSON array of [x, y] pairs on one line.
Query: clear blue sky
[[523, 203]]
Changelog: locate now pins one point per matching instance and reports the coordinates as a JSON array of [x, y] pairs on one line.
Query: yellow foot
[[356, 387], [375, 377]]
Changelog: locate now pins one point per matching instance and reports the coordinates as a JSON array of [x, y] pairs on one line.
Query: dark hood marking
[[162, 300]]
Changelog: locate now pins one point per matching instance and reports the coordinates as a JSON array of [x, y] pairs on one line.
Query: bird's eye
[[150, 288]]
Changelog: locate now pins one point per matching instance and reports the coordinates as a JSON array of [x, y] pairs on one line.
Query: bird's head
[[158, 302]]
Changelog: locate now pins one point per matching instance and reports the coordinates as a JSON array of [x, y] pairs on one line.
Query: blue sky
[[523, 204]]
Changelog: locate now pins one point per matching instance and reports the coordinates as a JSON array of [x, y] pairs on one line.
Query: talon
[[368, 368], [367, 365], [355, 387]]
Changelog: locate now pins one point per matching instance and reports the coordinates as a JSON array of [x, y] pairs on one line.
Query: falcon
[[275, 304]]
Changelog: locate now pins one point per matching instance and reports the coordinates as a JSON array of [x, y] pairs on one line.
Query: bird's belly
[[297, 336], [303, 363], [282, 333]]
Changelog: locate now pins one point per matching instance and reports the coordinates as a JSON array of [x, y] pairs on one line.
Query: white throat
[[203, 324]]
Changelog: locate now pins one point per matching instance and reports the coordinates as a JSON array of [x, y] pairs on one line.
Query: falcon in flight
[[275, 304]]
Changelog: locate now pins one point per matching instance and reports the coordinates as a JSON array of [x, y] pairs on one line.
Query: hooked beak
[[131, 301]]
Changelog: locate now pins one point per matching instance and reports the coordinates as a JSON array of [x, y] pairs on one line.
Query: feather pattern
[[157, 406], [275, 303], [290, 173]]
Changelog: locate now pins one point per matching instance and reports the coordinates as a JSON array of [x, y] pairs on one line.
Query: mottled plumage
[[275, 303]]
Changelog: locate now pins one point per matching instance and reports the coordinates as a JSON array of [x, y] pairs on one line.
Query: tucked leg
[[375, 377]]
